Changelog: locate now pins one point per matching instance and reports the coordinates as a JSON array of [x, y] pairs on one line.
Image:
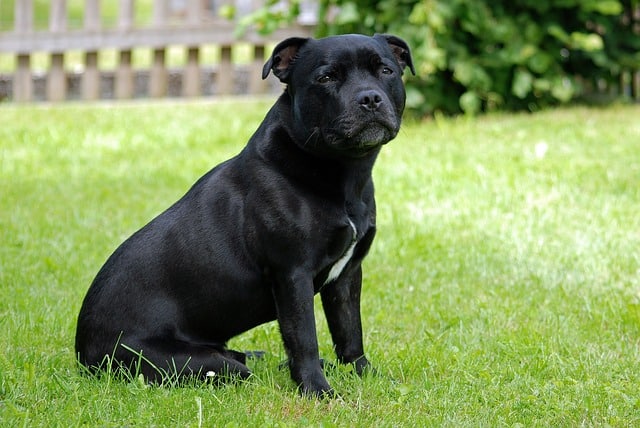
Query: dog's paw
[[312, 383], [318, 392]]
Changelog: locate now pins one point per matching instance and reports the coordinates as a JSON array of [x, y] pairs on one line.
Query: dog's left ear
[[283, 57], [400, 50]]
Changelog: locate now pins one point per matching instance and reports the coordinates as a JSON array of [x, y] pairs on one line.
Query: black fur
[[259, 235]]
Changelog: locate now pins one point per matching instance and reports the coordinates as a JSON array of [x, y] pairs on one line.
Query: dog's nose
[[370, 100]]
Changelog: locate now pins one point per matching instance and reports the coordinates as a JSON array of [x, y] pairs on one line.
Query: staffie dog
[[292, 215]]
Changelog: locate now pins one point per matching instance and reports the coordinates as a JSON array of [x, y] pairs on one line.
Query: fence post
[[22, 83], [124, 73], [57, 79], [158, 73], [257, 85], [191, 76], [91, 75], [225, 72]]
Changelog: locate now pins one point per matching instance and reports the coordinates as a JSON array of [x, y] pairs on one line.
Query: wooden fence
[[192, 24]]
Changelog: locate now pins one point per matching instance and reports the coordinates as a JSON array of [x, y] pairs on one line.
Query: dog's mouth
[[357, 137], [366, 138], [373, 135]]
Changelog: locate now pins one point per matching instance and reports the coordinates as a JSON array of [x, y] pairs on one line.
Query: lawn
[[503, 288]]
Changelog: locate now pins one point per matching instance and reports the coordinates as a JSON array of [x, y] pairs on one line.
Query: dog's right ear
[[283, 57]]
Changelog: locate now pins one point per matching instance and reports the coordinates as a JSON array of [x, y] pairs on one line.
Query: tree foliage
[[498, 54]]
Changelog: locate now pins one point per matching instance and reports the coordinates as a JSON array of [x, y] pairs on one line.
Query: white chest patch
[[339, 265]]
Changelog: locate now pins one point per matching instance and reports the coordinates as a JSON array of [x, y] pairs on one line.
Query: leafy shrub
[[485, 55]]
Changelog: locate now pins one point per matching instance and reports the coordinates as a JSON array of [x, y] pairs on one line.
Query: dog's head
[[346, 92]]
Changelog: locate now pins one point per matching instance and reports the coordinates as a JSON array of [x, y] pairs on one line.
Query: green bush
[[486, 55]]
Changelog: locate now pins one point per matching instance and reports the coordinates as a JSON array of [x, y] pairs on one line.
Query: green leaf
[[348, 14], [587, 42], [556, 31], [527, 51], [470, 102], [419, 14], [463, 72], [605, 7], [472, 75], [227, 11], [540, 62], [542, 85], [415, 97], [522, 83], [562, 89]]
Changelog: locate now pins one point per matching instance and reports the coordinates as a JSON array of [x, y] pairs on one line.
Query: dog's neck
[[337, 176]]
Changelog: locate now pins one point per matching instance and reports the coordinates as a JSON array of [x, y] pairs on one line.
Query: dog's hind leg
[[161, 360]]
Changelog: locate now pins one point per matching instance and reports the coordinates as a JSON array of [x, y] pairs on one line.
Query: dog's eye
[[387, 70], [325, 78]]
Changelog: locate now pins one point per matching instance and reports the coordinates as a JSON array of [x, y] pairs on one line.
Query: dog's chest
[[338, 266]]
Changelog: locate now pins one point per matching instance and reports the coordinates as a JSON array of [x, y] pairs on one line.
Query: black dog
[[258, 236]]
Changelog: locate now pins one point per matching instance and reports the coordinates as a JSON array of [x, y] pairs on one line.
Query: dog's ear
[[400, 50], [283, 57]]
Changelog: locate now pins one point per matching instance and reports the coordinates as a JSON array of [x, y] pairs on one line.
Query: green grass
[[503, 288]]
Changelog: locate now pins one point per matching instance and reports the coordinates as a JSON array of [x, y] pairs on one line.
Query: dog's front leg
[[341, 303], [294, 303]]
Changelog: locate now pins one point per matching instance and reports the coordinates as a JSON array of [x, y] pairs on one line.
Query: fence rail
[[189, 23]]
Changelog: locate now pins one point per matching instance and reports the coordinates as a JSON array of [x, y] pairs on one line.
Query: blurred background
[[471, 56]]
